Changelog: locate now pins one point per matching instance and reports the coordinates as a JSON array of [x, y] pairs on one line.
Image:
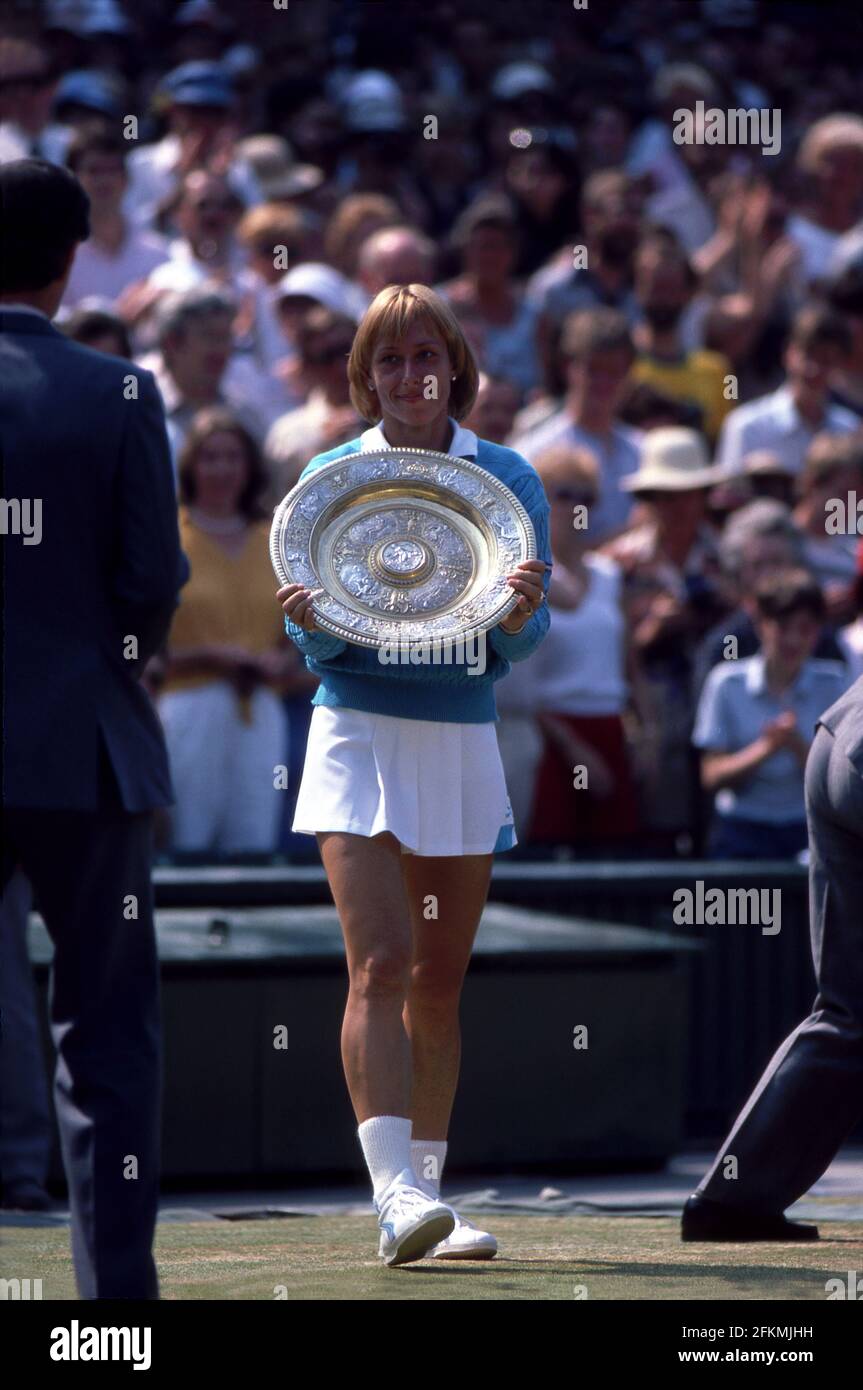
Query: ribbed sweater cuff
[[321, 646]]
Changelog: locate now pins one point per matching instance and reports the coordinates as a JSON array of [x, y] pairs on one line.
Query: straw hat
[[673, 459]]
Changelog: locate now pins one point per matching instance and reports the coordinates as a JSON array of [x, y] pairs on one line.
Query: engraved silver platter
[[408, 545]]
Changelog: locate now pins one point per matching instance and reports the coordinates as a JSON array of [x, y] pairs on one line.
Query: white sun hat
[[673, 459]]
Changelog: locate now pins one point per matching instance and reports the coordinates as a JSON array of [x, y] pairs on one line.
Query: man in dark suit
[[92, 569], [811, 1095]]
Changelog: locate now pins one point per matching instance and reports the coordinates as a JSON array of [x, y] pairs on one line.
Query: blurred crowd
[[671, 333]]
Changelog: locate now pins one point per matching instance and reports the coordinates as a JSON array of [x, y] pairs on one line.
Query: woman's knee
[[434, 986], [381, 972]]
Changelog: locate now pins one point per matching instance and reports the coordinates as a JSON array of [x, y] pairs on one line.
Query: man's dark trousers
[[811, 1095], [91, 875]]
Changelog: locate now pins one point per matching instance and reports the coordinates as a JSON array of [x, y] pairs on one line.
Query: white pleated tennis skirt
[[439, 788]]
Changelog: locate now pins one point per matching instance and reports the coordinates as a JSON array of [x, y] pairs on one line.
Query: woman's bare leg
[[364, 874], [458, 885]]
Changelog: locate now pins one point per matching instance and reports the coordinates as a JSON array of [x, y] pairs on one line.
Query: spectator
[[377, 141], [671, 587], [313, 283], [759, 539], [598, 351], [27, 86], [832, 474], [755, 722], [578, 691], [845, 295], [598, 270], [495, 408], [653, 153], [192, 364], [207, 213], [767, 475], [356, 218], [541, 179], [644, 408], [273, 238], [395, 256], [786, 420], [831, 160], [664, 285], [118, 255], [200, 106], [486, 293], [227, 658], [100, 330], [328, 418]]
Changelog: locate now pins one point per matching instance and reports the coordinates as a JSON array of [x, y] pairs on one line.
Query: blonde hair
[[391, 314], [580, 465], [840, 129], [269, 224], [342, 239]]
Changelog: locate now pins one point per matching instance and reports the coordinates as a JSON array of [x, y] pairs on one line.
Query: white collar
[[464, 442]]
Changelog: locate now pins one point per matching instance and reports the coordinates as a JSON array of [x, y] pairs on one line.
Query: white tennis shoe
[[465, 1242], [411, 1223]]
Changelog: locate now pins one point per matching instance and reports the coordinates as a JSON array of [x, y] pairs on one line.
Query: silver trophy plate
[[408, 545]]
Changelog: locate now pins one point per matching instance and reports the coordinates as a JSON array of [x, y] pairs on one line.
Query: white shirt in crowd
[[773, 422], [96, 274], [617, 455], [579, 667]]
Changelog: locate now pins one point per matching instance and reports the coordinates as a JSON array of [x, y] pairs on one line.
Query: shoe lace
[[405, 1201]]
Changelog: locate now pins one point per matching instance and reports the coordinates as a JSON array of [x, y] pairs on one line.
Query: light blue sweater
[[354, 677]]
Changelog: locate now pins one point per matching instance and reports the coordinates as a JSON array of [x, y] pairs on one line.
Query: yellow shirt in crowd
[[228, 599], [697, 379]]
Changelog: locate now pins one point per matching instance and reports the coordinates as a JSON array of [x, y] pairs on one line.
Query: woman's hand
[[296, 600], [526, 579]]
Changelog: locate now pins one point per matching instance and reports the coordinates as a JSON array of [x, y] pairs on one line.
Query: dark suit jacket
[[108, 567]]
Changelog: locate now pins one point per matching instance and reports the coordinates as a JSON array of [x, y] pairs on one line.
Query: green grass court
[[543, 1257]]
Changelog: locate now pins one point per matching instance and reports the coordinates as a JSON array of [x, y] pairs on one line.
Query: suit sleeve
[[151, 567], [519, 645]]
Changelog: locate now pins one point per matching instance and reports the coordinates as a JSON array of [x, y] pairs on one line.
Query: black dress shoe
[[706, 1220]]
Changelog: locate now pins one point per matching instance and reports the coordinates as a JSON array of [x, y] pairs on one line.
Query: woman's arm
[[729, 769], [516, 646]]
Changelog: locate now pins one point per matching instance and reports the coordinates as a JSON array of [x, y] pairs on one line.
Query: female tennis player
[[404, 789]]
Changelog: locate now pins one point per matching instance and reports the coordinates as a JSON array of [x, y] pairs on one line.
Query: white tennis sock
[[428, 1157], [386, 1145]]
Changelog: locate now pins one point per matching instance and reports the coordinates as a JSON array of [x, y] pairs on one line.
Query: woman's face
[[535, 180], [490, 253], [680, 511], [411, 376], [789, 641], [568, 490], [221, 471]]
